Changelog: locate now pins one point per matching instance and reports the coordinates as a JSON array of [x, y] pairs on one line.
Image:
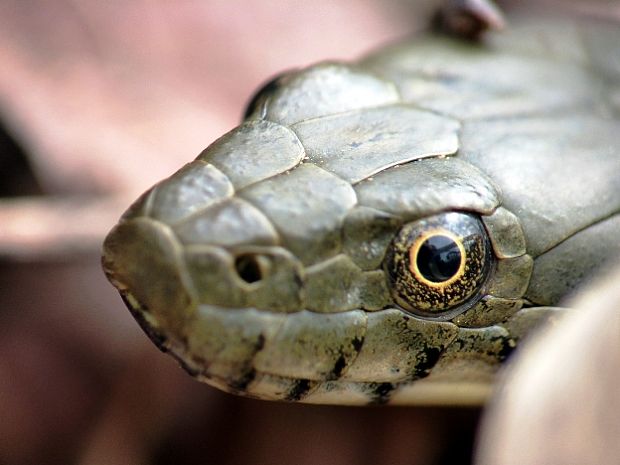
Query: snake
[[386, 231]]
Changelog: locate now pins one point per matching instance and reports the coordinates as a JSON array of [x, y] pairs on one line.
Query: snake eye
[[437, 266]]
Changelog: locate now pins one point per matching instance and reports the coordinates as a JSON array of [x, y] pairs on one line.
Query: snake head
[[334, 248]]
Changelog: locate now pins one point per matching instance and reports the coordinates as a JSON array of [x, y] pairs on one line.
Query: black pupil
[[439, 258]]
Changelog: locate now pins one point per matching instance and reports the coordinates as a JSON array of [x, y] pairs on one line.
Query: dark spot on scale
[[508, 346], [299, 390], [357, 343], [242, 383], [338, 367], [381, 393], [260, 343], [427, 360]]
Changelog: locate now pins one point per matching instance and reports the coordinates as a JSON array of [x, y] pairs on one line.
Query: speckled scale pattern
[[331, 162]]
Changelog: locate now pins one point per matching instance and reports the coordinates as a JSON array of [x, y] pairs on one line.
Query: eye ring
[[414, 251]]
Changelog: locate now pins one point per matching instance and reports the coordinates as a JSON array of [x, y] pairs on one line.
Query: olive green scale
[[260, 265]]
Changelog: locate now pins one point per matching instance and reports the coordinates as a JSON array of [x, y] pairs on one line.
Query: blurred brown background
[[99, 100]]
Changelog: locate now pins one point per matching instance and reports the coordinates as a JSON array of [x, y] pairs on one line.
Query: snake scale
[[386, 231]]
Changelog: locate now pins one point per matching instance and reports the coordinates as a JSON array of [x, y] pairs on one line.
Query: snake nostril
[[248, 267]]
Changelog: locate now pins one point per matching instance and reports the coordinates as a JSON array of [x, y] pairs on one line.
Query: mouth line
[[356, 356]]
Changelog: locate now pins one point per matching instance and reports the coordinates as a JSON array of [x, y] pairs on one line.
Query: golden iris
[[437, 258]]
